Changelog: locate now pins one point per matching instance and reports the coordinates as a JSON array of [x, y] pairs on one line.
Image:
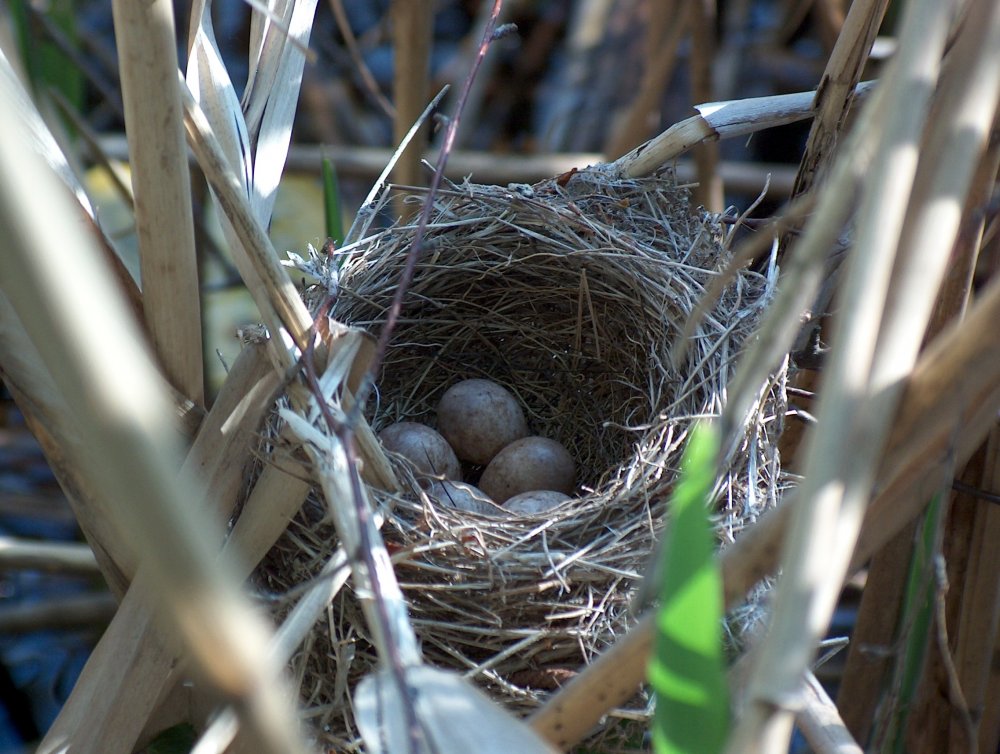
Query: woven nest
[[572, 297]]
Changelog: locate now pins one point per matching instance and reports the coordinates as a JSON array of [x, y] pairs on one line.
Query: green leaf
[[46, 65], [688, 671], [915, 622], [331, 203]]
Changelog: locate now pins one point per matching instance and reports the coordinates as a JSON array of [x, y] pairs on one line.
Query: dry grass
[[572, 297]]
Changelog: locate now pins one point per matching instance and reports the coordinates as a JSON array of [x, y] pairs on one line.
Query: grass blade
[[276, 104], [687, 671], [331, 203]]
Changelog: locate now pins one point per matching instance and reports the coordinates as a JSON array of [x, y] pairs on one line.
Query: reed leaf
[[271, 97]]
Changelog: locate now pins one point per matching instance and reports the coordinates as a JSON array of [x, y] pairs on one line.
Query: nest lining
[[571, 296]]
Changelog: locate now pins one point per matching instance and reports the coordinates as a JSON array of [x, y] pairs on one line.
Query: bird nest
[[571, 294]]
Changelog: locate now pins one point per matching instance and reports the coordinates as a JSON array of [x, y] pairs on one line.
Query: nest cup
[[571, 294]]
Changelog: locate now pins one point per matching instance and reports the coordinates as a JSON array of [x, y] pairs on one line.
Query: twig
[[83, 63], [394, 658], [412, 31], [360, 225], [956, 697], [371, 85]]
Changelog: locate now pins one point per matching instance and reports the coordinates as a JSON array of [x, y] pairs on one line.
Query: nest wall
[[571, 294]]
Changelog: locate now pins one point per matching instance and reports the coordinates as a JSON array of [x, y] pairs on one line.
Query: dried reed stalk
[[136, 659], [957, 666], [709, 192], [667, 24], [963, 105], [412, 26], [50, 557], [147, 52], [125, 416], [835, 92], [872, 351]]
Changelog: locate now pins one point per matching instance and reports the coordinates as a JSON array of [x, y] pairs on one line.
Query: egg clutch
[[481, 424]]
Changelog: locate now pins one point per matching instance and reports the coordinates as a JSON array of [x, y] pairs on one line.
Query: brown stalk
[[980, 597], [960, 649], [989, 724], [955, 384], [709, 193], [164, 223], [667, 24], [412, 24]]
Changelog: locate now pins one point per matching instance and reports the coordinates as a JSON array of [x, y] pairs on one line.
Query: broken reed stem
[[709, 192], [718, 120], [835, 93]]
